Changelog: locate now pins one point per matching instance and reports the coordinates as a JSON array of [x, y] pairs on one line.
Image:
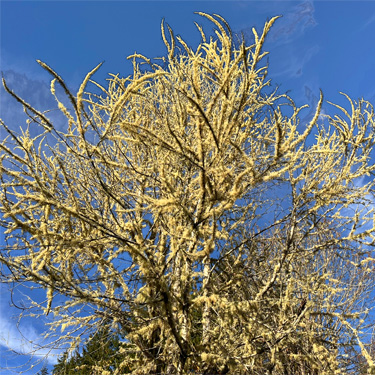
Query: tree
[[359, 365], [100, 355], [43, 371], [187, 206]]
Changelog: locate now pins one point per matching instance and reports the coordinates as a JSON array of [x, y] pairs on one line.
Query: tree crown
[[185, 207]]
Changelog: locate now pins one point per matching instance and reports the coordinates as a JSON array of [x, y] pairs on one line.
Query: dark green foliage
[[43, 371], [101, 350]]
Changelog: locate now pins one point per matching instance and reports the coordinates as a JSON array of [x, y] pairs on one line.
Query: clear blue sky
[[316, 44]]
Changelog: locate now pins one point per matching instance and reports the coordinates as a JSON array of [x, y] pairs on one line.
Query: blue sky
[[316, 44]]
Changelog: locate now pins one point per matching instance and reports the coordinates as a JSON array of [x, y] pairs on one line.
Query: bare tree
[[187, 206]]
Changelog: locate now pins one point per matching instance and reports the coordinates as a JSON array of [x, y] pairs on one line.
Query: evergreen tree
[[43, 371], [100, 354]]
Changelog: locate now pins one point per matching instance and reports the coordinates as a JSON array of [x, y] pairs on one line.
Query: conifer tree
[[43, 371], [99, 355]]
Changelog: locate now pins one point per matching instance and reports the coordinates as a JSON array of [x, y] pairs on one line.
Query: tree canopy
[[189, 208]]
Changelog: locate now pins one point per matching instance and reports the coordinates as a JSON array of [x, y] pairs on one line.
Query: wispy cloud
[[289, 54], [293, 67], [369, 21], [35, 92], [294, 23], [22, 339]]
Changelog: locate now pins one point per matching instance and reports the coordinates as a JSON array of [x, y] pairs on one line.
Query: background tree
[[43, 371], [100, 355], [187, 206]]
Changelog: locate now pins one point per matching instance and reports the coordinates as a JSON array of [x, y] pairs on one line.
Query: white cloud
[[22, 337], [37, 93], [294, 23], [370, 20], [293, 67]]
